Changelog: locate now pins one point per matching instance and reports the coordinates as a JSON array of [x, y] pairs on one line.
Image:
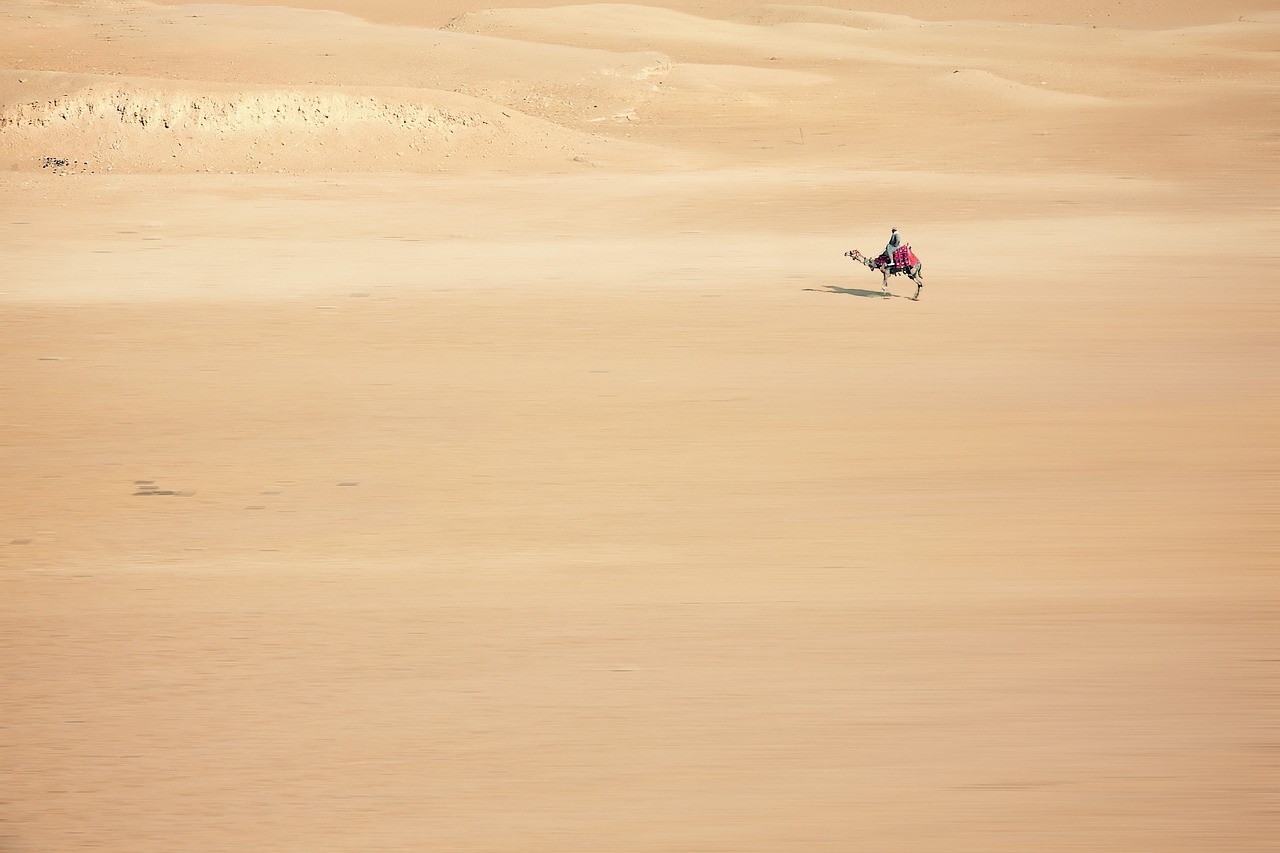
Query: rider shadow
[[852, 291]]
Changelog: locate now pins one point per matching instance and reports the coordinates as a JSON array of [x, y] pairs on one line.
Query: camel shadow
[[853, 291]]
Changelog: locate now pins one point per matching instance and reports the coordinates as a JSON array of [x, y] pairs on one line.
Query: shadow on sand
[[853, 291]]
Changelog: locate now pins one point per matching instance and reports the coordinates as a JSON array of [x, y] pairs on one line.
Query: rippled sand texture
[[439, 427]]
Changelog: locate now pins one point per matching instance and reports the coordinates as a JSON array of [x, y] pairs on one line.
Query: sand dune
[[991, 89], [455, 427], [1078, 12], [633, 27], [319, 90], [165, 126], [428, 100]]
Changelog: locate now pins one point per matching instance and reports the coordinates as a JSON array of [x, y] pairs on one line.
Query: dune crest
[[160, 126], [994, 89], [233, 111]]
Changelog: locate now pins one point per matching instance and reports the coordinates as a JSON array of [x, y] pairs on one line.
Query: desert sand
[[452, 427]]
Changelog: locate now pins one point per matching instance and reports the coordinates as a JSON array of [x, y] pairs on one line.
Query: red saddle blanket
[[902, 257]]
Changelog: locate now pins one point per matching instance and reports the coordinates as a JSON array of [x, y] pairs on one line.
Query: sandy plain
[[443, 427]]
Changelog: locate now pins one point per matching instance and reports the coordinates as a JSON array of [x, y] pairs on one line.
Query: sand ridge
[[165, 126], [588, 77]]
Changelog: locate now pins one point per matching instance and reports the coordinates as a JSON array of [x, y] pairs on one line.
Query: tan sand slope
[[153, 105], [300, 91], [1108, 13], [168, 126]]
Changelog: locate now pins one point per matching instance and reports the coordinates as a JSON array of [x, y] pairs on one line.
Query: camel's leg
[[917, 275], [885, 272]]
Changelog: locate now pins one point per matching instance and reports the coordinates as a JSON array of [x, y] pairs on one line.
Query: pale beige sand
[[457, 429]]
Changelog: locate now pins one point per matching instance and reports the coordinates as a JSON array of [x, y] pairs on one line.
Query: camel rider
[[895, 240]]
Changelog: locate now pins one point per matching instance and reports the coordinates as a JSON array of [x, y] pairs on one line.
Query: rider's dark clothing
[[895, 240]]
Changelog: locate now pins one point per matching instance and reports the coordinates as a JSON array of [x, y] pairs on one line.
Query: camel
[[905, 263]]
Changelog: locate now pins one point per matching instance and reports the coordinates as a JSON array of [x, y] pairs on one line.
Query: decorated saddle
[[903, 258]]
